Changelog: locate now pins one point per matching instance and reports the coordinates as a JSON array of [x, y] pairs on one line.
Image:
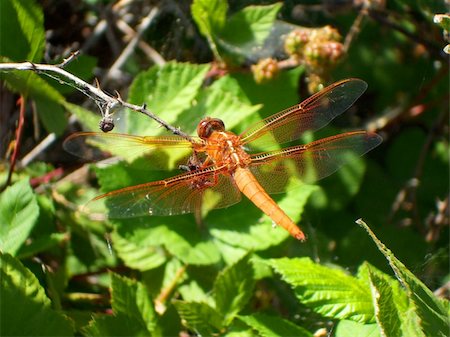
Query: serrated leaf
[[347, 328], [130, 298], [386, 313], [117, 325], [18, 213], [136, 253], [199, 317], [329, 292], [167, 91], [181, 237], [251, 25], [24, 300], [224, 99], [269, 326], [22, 30], [193, 292], [233, 288], [432, 314], [31, 19]]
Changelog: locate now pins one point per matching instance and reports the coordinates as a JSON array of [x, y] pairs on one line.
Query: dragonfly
[[225, 165]]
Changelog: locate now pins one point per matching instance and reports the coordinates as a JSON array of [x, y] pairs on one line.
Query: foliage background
[[67, 273]]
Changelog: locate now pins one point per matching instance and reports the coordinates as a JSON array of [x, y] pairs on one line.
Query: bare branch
[[106, 103]]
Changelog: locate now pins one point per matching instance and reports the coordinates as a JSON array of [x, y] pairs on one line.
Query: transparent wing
[[310, 162], [123, 145], [312, 114], [184, 193]]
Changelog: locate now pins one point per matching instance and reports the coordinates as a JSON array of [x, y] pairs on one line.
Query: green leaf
[[251, 25], [432, 314], [193, 292], [209, 15], [268, 326], [140, 246], [87, 118], [18, 213], [184, 241], [233, 288], [199, 317], [386, 313], [167, 91], [130, 298], [224, 99], [136, 253], [347, 328], [22, 30], [52, 115], [24, 300], [117, 325], [31, 19], [41, 244], [28, 83], [329, 292]]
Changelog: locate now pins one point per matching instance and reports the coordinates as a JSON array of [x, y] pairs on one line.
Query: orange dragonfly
[[228, 164]]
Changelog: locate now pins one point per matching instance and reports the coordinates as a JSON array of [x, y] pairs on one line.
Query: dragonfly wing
[[310, 162], [312, 114], [185, 193], [126, 146]]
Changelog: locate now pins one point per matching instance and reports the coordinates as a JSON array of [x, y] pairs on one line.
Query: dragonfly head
[[208, 125]]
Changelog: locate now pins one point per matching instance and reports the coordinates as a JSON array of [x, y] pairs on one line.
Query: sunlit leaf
[[167, 91], [199, 317], [268, 326], [130, 298], [18, 213], [329, 292], [24, 300], [233, 288], [432, 314]]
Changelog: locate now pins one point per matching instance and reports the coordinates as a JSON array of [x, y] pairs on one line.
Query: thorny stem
[[106, 103]]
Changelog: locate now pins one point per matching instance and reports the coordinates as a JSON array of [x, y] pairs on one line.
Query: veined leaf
[[199, 317], [386, 314], [431, 313], [22, 30], [269, 326], [346, 328], [18, 213], [329, 292], [233, 288], [252, 24], [137, 254], [24, 300], [224, 99], [117, 325], [130, 298], [167, 91]]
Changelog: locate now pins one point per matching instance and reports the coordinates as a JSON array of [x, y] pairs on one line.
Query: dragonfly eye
[[208, 125]]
